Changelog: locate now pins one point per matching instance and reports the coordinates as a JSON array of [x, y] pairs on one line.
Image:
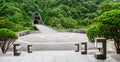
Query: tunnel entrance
[[35, 22], [36, 18]]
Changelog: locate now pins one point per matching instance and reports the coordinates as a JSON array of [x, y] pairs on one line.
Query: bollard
[[84, 44], [16, 48], [76, 47], [29, 48]]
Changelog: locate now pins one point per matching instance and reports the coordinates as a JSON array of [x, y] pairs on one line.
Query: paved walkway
[[54, 41], [56, 56], [50, 39]]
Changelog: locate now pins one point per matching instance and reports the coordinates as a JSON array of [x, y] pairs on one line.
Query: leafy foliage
[[5, 34], [74, 13], [6, 24], [12, 26], [111, 19], [92, 33], [107, 6]]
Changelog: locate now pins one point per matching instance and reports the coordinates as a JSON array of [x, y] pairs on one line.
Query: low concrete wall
[[22, 33], [76, 31]]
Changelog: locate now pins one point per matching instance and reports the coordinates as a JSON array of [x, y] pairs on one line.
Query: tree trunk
[[117, 46], [6, 44]]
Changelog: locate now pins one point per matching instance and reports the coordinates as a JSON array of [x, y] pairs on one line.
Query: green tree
[[108, 26], [7, 38]]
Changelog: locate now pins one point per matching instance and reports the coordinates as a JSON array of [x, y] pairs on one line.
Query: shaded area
[[35, 21]]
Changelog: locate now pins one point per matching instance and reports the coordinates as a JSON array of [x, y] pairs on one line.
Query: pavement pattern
[[50, 39]]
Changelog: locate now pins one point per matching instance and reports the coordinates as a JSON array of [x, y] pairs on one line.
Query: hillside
[[59, 14]]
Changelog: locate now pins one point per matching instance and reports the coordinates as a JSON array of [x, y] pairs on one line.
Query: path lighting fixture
[[84, 47], [76, 47], [100, 43], [29, 47], [16, 48]]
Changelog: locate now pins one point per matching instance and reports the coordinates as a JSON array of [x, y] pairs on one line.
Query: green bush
[[18, 28], [108, 26], [12, 26], [7, 38], [6, 24]]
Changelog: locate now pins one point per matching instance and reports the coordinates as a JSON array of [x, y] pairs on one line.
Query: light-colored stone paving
[[54, 38], [55, 56], [50, 39], [53, 41]]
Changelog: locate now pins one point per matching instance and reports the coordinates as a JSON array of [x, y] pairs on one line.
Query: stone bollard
[[84, 44], [29, 48], [16, 48], [76, 47]]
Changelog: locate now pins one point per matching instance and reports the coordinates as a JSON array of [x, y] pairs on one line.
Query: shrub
[[6, 24], [18, 28], [12, 26]]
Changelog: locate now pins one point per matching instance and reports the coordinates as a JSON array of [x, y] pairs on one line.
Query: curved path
[[49, 39], [54, 38]]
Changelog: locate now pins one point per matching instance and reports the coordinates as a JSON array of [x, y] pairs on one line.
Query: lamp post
[[100, 43]]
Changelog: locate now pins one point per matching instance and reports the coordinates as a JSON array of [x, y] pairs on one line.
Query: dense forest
[[59, 14]]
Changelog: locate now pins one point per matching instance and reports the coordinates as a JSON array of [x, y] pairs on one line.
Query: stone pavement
[[55, 41], [57, 56]]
